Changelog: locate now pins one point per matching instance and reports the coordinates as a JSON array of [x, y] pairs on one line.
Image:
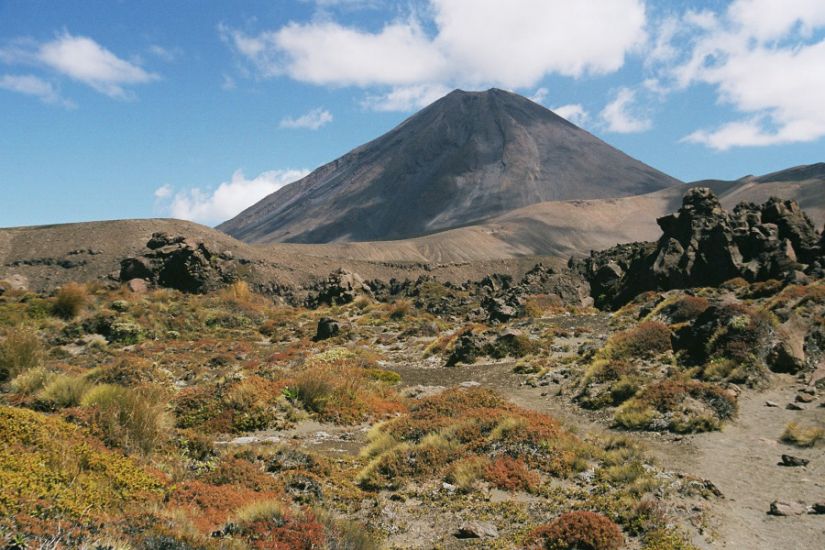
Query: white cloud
[[573, 112], [163, 191], [312, 120], [212, 206], [328, 53], [405, 98], [81, 59], [763, 58], [518, 45], [622, 116], [472, 43], [34, 86], [539, 95]]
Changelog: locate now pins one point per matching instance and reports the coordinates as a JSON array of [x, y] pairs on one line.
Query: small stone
[[805, 398], [138, 286], [817, 508], [771, 404], [449, 487], [470, 384], [477, 530], [794, 407], [783, 508], [789, 460]]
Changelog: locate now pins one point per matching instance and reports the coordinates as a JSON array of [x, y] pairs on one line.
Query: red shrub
[[511, 474], [648, 338], [687, 308], [285, 532], [579, 530]]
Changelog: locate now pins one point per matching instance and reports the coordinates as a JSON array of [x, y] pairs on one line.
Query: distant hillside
[[511, 243], [466, 158]]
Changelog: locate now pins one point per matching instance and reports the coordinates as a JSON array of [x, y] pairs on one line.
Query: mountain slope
[[465, 158], [568, 228]]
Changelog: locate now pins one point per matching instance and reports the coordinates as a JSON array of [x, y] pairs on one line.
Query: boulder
[[341, 287], [477, 530], [499, 310], [793, 461], [327, 328], [783, 359], [13, 282], [138, 286], [468, 348], [787, 508]]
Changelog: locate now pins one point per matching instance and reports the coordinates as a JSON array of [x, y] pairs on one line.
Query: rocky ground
[[500, 412]]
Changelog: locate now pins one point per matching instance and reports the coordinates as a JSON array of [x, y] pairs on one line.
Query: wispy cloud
[[539, 95], [34, 86], [170, 55], [81, 59], [573, 112], [312, 120], [405, 98], [623, 116]]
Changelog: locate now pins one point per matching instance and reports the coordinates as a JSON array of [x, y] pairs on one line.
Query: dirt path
[[741, 460]]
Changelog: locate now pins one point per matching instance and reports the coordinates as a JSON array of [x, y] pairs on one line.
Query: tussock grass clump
[[70, 300], [802, 436], [681, 406], [20, 350], [132, 419], [577, 530], [264, 510], [64, 391], [344, 387], [31, 381], [399, 309], [610, 382]]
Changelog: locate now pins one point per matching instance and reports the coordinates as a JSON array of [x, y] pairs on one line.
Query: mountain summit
[[462, 159]]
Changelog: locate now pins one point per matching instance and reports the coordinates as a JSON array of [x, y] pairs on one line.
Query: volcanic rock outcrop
[[704, 245], [174, 262]]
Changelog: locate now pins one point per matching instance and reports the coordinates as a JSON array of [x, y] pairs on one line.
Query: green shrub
[[665, 539], [125, 331], [69, 300], [20, 351], [132, 419]]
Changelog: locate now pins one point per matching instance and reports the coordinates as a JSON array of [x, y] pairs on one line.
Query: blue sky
[[196, 109]]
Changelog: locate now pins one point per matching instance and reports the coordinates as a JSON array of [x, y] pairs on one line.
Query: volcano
[[465, 158]]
